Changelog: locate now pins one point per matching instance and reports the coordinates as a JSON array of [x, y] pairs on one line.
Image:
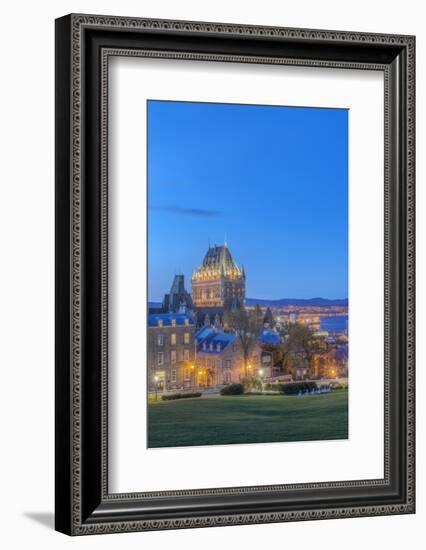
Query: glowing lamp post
[[156, 387]]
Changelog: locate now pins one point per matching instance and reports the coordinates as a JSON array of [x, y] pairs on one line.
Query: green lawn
[[247, 419]]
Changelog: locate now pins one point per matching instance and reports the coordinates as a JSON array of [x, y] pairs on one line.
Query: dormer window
[[160, 323], [211, 347], [218, 347], [204, 345], [173, 322]]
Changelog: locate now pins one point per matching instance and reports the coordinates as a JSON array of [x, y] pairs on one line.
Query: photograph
[[248, 311]]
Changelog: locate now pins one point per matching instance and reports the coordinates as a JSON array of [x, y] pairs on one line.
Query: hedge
[[172, 396], [293, 388], [232, 389]]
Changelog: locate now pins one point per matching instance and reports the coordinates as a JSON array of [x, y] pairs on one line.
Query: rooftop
[[167, 319], [209, 336], [269, 336], [219, 259]]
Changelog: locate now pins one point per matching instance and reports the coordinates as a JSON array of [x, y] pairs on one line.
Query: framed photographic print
[[234, 274]]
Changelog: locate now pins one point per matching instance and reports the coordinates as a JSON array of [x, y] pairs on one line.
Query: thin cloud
[[201, 212]]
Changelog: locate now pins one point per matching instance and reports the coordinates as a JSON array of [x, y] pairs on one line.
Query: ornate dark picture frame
[[84, 44]]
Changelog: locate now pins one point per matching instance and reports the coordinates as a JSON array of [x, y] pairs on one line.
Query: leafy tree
[[288, 361], [301, 345]]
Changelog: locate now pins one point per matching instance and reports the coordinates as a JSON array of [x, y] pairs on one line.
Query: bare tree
[[247, 326]]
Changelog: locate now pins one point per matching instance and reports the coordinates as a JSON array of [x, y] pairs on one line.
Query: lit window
[[173, 375], [186, 354], [186, 338], [160, 340], [173, 339], [173, 322], [173, 356], [160, 358], [160, 323], [186, 322]]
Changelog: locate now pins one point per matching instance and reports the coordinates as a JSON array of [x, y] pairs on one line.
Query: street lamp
[[261, 379], [193, 375], [156, 387]]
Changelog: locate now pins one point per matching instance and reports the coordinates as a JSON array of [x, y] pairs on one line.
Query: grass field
[[247, 419]]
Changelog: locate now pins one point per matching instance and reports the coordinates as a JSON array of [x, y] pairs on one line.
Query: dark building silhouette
[[178, 299]]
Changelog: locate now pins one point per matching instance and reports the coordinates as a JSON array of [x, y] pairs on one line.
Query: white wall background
[[27, 245]]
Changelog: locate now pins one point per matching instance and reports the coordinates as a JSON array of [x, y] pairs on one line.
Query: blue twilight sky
[[272, 180]]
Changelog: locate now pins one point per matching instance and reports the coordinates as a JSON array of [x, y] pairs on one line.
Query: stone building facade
[[171, 351], [220, 360]]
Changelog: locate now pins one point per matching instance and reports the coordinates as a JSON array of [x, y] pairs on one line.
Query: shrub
[[172, 396], [232, 389], [252, 383], [272, 387], [338, 386], [293, 388]]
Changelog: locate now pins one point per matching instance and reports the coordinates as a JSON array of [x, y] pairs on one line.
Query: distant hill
[[296, 302]]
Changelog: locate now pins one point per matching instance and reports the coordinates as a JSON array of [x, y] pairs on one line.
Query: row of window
[[173, 322], [211, 346], [187, 375], [173, 356], [210, 362], [173, 359], [173, 339]]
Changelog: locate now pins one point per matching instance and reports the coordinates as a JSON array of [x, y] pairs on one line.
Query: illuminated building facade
[[218, 284], [220, 359], [171, 351]]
